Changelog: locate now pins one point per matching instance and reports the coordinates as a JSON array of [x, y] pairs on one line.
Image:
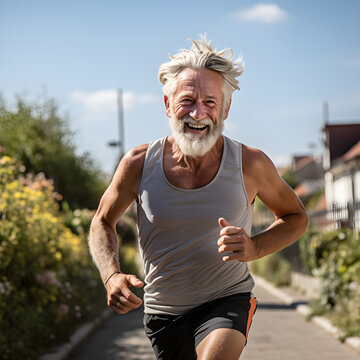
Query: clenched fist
[[235, 241]]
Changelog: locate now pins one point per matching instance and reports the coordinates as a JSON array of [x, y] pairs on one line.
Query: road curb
[[276, 292], [62, 352], [305, 310]]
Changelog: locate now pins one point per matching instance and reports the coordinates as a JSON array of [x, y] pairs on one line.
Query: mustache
[[189, 119]]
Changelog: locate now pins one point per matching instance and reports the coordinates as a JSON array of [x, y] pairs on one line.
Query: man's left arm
[[290, 216]]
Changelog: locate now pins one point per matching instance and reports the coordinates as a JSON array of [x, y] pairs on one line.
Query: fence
[[330, 219], [337, 217]]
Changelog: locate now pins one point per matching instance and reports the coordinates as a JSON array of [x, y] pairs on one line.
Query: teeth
[[197, 126]]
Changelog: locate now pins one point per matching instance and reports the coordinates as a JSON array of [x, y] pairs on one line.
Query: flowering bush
[[47, 279], [334, 257]]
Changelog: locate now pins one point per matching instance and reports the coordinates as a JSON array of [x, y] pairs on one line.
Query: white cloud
[[105, 101], [264, 13]]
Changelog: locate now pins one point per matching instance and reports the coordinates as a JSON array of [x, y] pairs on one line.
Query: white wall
[[357, 185], [329, 189], [342, 190]]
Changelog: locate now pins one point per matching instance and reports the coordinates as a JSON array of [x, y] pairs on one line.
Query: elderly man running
[[194, 191]]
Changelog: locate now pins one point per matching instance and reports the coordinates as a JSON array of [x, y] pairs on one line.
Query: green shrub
[[78, 220], [36, 134], [127, 230], [273, 268], [334, 257], [48, 284], [309, 253]]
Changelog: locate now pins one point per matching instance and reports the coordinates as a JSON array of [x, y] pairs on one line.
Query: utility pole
[[325, 112], [121, 124], [120, 142]]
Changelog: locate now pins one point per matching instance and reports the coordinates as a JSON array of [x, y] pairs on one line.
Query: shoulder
[[256, 162], [129, 170], [136, 156]]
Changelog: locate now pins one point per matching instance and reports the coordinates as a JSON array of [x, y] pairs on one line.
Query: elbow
[[99, 225], [303, 220]]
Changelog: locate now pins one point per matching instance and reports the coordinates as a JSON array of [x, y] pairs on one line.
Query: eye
[[186, 100]]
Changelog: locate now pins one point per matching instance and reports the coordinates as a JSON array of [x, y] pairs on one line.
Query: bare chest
[[186, 178]]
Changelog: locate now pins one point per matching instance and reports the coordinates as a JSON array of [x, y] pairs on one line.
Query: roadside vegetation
[[334, 257], [331, 256], [40, 138], [48, 283]]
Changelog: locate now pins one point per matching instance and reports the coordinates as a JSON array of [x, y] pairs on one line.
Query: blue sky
[[297, 55]]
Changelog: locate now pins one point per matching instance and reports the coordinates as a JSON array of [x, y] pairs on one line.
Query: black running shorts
[[176, 337]]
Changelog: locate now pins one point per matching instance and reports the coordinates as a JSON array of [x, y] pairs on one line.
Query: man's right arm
[[103, 241]]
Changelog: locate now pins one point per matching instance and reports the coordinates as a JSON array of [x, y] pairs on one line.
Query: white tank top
[[178, 234]]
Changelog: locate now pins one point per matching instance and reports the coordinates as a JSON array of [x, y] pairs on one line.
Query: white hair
[[202, 55]]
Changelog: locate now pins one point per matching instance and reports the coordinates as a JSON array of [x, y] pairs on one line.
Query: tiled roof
[[309, 187], [303, 162]]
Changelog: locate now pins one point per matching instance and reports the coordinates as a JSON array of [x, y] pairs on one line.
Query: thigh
[[172, 337], [221, 344], [226, 321]]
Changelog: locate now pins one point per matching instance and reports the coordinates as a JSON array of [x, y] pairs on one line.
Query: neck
[[195, 163]]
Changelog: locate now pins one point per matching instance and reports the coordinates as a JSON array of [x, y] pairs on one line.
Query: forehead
[[203, 81]]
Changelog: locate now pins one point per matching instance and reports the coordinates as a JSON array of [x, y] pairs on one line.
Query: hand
[[119, 296], [235, 241]]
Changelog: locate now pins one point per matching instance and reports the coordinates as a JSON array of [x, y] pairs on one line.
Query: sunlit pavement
[[277, 332], [120, 337]]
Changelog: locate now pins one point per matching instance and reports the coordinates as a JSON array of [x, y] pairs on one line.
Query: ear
[[167, 105], [227, 109]]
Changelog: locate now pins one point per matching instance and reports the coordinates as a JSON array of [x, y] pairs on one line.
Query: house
[[308, 171], [341, 161]]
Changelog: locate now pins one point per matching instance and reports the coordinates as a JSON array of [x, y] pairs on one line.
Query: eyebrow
[[190, 95]]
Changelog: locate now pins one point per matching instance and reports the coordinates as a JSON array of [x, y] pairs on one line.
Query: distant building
[[306, 167], [308, 171], [341, 162]]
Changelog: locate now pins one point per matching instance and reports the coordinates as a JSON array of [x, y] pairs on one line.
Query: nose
[[198, 111]]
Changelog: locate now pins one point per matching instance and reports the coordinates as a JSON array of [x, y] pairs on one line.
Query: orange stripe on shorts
[[251, 314]]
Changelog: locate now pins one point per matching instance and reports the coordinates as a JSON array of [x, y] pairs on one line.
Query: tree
[[290, 178], [36, 135]]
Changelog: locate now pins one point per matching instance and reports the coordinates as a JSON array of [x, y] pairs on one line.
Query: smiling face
[[196, 111]]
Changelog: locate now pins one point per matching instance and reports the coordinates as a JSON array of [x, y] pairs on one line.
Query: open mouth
[[197, 127]]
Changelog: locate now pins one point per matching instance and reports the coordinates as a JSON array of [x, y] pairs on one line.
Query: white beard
[[191, 144]]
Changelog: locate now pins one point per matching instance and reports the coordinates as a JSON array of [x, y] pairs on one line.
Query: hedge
[[48, 283], [274, 268], [334, 257]]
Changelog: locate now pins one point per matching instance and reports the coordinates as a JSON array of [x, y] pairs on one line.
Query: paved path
[[278, 332], [118, 338]]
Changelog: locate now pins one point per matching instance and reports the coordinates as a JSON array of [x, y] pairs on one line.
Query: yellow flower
[[6, 160], [13, 185], [18, 195]]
